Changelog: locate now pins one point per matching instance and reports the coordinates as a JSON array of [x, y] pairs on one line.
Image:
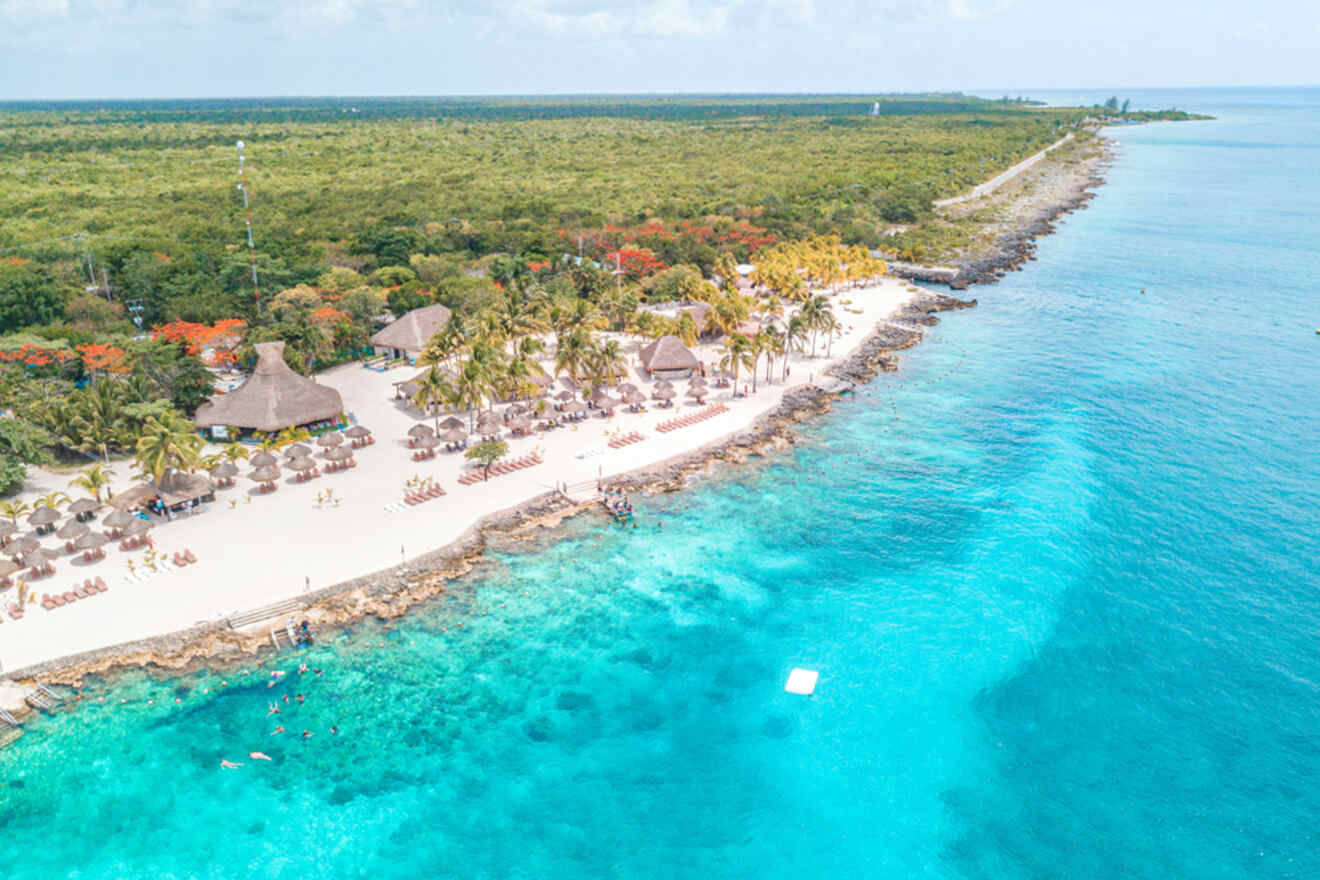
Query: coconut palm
[[13, 509], [737, 355], [771, 341], [608, 365], [93, 480], [686, 329], [291, 435], [574, 353], [795, 336], [168, 444], [234, 452], [52, 500], [434, 391], [816, 315]]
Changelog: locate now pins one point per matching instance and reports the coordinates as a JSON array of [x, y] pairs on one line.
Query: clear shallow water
[[1058, 574]]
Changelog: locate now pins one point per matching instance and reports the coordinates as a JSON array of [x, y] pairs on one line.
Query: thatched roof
[[274, 397], [452, 422], [357, 432], [301, 464], [72, 529], [117, 519], [420, 430], [90, 541], [38, 557], [667, 353], [138, 526], [23, 544], [455, 435], [7, 528], [268, 474], [84, 505], [297, 450], [224, 469], [634, 397], [664, 392], [340, 453], [180, 488], [411, 332], [8, 567], [575, 406], [566, 396], [43, 516], [334, 438], [263, 459]]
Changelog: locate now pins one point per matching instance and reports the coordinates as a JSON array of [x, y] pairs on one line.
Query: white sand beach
[[256, 549]]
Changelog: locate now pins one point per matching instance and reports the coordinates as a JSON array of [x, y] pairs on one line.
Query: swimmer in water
[[307, 734], [259, 756], [274, 709], [277, 730], [229, 765], [300, 698], [334, 729]]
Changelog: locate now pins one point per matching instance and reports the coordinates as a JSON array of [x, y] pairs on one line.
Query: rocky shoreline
[[390, 593]]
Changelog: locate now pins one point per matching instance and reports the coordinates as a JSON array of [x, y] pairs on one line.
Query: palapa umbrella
[[7, 528], [453, 422], [357, 432], [138, 526], [520, 423], [664, 393], [489, 419], [263, 459], [301, 464], [117, 519], [625, 388], [576, 406], [71, 530], [91, 541], [566, 396], [599, 395], [341, 453], [608, 403], [516, 409], [44, 516], [298, 450], [634, 398], [698, 382], [37, 558], [334, 438], [455, 435], [8, 567], [23, 544], [223, 471], [268, 474], [84, 505], [420, 430]]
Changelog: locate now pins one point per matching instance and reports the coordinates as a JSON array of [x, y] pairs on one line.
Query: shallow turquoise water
[[1058, 574]]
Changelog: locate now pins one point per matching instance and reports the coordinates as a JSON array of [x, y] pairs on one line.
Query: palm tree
[[795, 337], [93, 480], [168, 444], [433, 390], [771, 341], [831, 326], [13, 509], [291, 435], [608, 365], [574, 353], [815, 314], [737, 354], [52, 500], [686, 329], [234, 452]]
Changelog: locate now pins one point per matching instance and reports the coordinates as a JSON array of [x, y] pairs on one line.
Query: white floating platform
[[802, 681]]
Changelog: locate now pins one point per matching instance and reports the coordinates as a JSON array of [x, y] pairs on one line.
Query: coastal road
[[1000, 179]]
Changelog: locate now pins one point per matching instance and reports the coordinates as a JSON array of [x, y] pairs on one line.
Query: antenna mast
[[247, 219]]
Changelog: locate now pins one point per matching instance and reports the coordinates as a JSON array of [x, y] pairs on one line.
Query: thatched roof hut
[[273, 398], [72, 529], [7, 528], [358, 432], [90, 541], [263, 459], [23, 544], [180, 488], [668, 357], [410, 334], [84, 505], [117, 519], [454, 435]]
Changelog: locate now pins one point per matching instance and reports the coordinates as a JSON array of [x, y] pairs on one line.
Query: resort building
[[668, 358], [407, 336], [273, 398]]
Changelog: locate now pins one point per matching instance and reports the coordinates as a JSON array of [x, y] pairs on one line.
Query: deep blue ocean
[[1060, 576]]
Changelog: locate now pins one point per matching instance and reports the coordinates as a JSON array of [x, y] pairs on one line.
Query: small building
[[408, 336], [668, 358], [273, 398]]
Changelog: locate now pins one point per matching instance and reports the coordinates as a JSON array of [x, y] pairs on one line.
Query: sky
[[52, 49]]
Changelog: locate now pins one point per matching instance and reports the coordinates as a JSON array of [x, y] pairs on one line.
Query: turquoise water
[[1058, 575]]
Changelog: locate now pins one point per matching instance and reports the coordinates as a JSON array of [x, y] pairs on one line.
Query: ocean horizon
[[1057, 575]]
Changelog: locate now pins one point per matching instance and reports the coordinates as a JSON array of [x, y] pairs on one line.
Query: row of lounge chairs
[[700, 416], [626, 440], [503, 467], [88, 589], [420, 496]]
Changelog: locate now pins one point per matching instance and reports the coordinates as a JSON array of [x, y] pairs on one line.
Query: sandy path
[[1004, 177]]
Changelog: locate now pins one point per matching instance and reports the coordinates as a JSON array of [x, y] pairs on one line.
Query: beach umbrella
[[117, 519], [455, 435], [664, 394], [608, 403], [138, 526], [517, 409], [23, 544], [698, 382], [697, 393], [566, 396], [334, 438], [453, 422], [420, 430], [43, 516], [520, 423], [8, 567], [7, 528], [541, 380], [263, 459], [37, 558], [576, 406], [223, 471], [340, 453], [357, 432], [301, 464], [599, 396], [298, 450], [72, 529], [634, 398], [90, 541], [268, 474], [625, 388], [83, 505]]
